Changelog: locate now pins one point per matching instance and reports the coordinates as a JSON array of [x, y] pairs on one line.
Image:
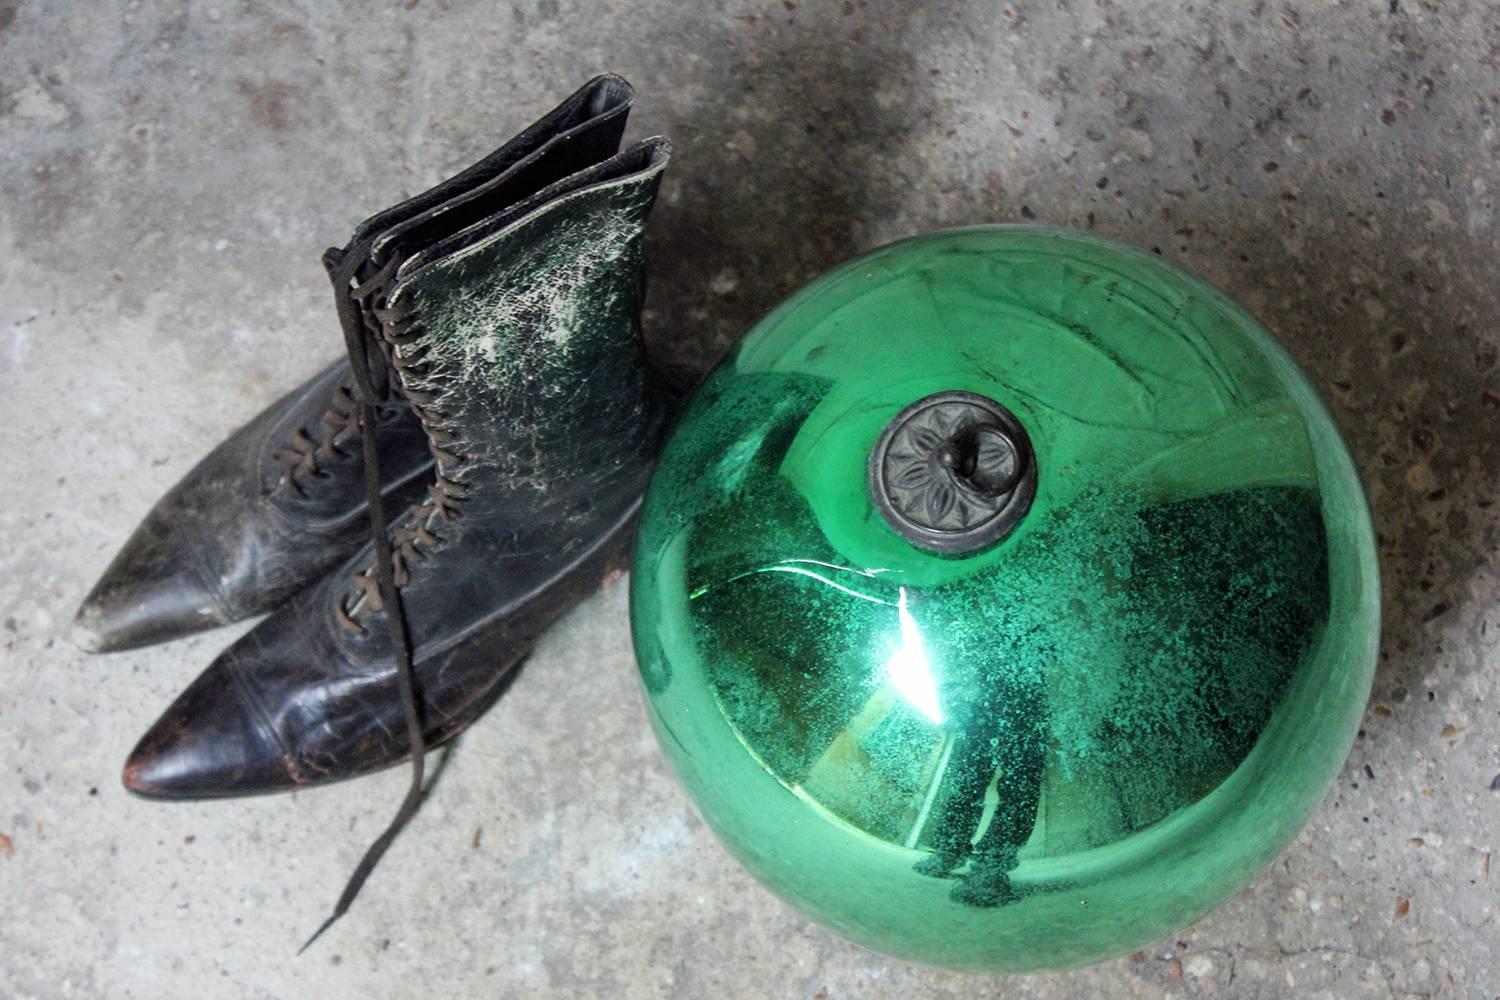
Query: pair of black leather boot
[[495, 351]]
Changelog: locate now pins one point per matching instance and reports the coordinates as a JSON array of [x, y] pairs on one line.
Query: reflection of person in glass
[[1208, 601], [995, 708]]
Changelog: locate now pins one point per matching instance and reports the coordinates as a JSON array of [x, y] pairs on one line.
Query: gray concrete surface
[[169, 174]]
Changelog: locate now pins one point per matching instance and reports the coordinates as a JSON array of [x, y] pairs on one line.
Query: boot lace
[[371, 365], [303, 457], [419, 534]]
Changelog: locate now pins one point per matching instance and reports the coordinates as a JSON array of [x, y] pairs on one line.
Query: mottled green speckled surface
[[1067, 744]]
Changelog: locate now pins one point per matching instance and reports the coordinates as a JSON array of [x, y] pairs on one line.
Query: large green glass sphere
[[1006, 600]]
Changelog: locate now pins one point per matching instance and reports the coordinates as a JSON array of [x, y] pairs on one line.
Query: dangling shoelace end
[[343, 267]]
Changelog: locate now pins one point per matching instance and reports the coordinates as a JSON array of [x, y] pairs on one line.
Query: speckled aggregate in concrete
[[169, 173]]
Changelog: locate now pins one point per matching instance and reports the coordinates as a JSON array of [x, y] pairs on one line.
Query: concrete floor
[[168, 176]]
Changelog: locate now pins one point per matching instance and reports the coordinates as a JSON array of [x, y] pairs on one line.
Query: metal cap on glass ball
[[953, 473]]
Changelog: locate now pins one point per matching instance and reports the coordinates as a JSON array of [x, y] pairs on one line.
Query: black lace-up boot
[[283, 501], [516, 340]]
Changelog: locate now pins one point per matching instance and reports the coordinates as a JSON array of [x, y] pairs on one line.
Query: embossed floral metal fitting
[[953, 473]]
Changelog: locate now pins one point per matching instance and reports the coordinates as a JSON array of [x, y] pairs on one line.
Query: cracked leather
[[517, 339], [242, 532], [229, 542]]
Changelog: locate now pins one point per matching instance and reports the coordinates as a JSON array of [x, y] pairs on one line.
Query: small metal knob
[[953, 473]]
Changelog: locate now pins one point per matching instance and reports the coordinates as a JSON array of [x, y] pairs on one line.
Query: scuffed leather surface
[[292, 704], [533, 353], [546, 309], [230, 541]]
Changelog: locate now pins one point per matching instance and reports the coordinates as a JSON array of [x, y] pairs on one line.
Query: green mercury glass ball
[[1006, 600]]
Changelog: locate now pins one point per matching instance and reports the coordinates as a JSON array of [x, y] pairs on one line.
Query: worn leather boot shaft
[[516, 340], [282, 501]]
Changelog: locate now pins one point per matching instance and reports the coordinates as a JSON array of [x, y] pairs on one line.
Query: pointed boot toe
[[303, 700], [297, 701], [250, 524], [541, 454], [151, 592], [283, 500], [211, 742]]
